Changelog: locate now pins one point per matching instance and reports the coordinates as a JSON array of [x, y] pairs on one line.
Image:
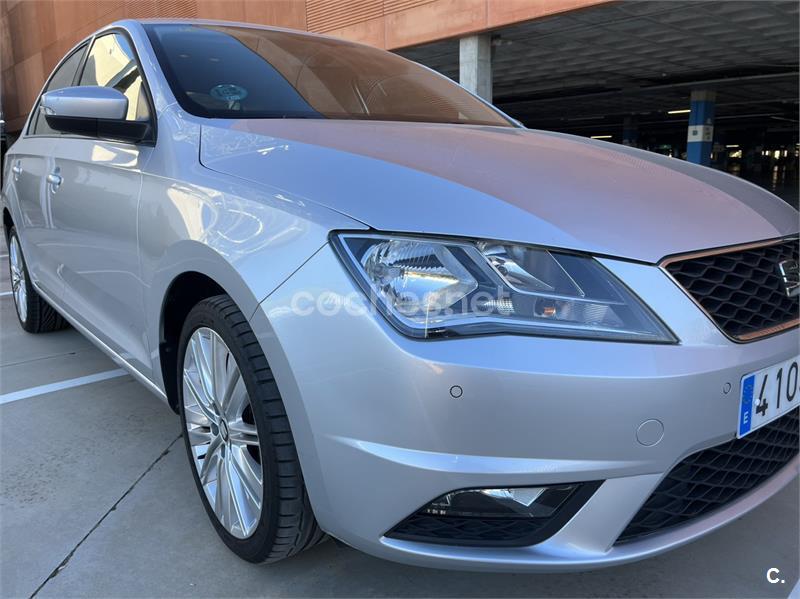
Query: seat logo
[[790, 273]]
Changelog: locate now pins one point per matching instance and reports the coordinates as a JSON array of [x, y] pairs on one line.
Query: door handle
[[54, 179], [17, 170]]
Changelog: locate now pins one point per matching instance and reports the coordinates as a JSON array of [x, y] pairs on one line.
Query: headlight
[[435, 287]]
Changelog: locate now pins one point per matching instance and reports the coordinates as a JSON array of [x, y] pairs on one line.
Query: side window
[[62, 77], [112, 63]]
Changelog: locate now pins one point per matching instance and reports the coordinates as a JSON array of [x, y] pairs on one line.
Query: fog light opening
[[495, 517], [513, 502]]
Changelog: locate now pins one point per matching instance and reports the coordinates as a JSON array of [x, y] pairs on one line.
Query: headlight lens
[[434, 287]]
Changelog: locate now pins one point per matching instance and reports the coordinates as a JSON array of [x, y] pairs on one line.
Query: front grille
[[741, 290], [711, 478]]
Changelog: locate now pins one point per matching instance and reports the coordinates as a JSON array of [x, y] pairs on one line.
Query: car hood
[[499, 183]]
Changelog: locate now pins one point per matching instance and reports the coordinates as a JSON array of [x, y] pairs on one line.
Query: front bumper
[[379, 434]]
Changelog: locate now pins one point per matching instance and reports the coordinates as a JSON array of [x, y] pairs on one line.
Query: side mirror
[[93, 111]]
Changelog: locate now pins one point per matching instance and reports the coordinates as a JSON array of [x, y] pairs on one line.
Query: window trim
[[88, 44]]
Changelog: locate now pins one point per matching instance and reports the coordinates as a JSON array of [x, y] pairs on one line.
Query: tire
[[34, 314], [285, 525]]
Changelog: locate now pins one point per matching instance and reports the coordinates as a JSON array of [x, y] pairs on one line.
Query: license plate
[[767, 394]]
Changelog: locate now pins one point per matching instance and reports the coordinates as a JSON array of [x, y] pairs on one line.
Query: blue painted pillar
[[701, 127]]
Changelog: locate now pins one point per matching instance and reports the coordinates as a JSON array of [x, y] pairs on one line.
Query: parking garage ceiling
[[587, 69]]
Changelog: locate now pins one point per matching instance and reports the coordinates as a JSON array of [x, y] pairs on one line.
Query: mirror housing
[[93, 111]]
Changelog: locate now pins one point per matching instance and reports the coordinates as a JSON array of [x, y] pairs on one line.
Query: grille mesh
[[743, 290], [711, 478], [466, 530]]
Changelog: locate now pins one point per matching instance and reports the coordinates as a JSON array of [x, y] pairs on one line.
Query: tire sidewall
[[256, 547]]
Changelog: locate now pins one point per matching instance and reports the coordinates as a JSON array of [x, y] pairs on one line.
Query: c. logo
[[772, 576]]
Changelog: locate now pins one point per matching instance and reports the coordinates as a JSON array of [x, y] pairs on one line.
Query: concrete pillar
[[701, 127], [475, 64], [630, 131]]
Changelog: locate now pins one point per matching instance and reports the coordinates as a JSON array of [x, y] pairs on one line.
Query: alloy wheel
[[18, 282], [222, 433]]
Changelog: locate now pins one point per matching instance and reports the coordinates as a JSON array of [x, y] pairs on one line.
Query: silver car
[[388, 313]]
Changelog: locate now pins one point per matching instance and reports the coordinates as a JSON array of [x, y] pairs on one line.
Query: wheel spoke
[[243, 433], [14, 256], [200, 356], [238, 401], [197, 416], [234, 395], [237, 493], [199, 397], [210, 462], [249, 473], [218, 360], [200, 436], [222, 500]]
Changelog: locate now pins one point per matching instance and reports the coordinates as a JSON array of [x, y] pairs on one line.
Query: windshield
[[240, 72]]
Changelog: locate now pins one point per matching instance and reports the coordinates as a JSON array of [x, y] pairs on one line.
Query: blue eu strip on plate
[[746, 404]]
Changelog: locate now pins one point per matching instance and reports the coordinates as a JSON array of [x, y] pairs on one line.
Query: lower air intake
[[714, 477]]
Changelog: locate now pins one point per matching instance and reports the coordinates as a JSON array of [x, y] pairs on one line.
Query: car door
[[95, 206], [32, 160]]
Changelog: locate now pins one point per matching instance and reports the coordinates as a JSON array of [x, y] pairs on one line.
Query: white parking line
[[5, 293], [68, 384]]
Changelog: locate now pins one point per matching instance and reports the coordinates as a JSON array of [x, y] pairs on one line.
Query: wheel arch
[[8, 221], [184, 293], [188, 273]]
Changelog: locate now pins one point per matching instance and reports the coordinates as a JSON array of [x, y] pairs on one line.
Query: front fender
[[245, 239]]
